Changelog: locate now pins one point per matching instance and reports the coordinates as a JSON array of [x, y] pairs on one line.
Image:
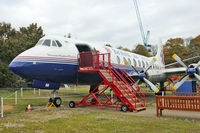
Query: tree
[[108, 45], [175, 46], [125, 49], [194, 49], [120, 47], [12, 43], [141, 50], [31, 35]]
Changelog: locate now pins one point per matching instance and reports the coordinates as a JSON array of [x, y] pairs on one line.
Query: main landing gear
[[54, 101]]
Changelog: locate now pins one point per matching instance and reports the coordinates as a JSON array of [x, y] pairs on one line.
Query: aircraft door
[[86, 55]]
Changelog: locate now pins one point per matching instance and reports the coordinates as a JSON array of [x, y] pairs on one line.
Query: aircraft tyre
[[72, 104], [124, 108], [57, 101]]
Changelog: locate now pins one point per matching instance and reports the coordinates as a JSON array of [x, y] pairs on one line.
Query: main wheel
[[72, 104], [57, 101], [124, 108]]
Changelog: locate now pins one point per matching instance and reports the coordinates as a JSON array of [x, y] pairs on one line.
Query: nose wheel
[[57, 101], [54, 101]]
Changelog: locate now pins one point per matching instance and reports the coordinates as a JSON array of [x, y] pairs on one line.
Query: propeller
[[142, 74], [191, 72]]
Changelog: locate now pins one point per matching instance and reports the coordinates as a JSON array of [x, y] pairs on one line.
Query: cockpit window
[[39, 42], [58, 43], [54, 44], [47, 42]]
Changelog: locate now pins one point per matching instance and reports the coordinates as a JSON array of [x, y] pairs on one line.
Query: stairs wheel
[[72, 104], [124, 108]]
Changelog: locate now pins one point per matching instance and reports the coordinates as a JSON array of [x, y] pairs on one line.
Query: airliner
[[54, 60]]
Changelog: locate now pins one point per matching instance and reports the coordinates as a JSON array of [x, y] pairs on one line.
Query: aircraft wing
[[171, 71], [167, 71]]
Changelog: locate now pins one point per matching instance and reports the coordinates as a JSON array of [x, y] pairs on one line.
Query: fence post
[[39, 92], [15, 97], [1, 106], [157, 109], [21, 92]]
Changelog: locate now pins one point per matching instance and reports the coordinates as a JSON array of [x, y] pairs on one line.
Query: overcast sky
[[106, 21]]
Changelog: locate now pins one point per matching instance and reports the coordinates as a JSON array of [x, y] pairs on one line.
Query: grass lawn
[[85, 119]]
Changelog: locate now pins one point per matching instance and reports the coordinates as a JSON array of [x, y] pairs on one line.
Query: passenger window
[[129, 60], [124, 60], [143, 64], [134, 62], [47, 42], [54, 43], [58, 43], [118, 60], [147, 64], [39, 42], [139, 63]]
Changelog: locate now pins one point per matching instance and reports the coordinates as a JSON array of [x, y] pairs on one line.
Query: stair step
[[104, 72], [128, 93], [138, 103], [142, 108], [120, 82]]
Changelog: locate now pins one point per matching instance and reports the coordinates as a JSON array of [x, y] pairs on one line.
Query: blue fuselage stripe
[[55, 70]]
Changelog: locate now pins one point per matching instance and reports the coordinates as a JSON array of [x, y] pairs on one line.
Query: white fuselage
[[49, 61]]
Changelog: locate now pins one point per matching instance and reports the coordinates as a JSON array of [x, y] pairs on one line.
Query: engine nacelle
[[45, 85], [156, 76]]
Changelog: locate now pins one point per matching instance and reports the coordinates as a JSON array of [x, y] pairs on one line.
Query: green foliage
[[194, 48], [176, 46], [108, 45], [125, 49], [12, 43], [140, 49]]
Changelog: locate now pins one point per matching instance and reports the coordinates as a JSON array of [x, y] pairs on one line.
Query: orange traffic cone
[[28, 107]]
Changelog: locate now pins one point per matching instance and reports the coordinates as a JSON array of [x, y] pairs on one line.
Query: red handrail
[[119, 84], [119, 77], [135, 83]]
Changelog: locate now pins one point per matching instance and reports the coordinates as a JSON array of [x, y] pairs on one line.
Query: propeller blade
[[152, 86], [198, 65], [197, 76], [178, 59], [178, 84], [138, 81], [134, 87], [150, 64], [134, 69]]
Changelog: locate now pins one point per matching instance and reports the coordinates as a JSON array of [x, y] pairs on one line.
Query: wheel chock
[[50, 105]]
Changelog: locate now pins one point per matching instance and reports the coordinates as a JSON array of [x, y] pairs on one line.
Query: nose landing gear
[[54, 101]]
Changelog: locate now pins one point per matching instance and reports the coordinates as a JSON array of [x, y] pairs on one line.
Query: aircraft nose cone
[[13, 67]]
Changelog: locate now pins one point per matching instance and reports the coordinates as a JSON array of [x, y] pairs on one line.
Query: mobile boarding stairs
[[117, 89]]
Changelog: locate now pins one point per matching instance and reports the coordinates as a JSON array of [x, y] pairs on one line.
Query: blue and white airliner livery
[[55, 60]]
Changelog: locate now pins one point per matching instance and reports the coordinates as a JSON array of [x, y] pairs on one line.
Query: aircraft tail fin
[[160, 55]]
